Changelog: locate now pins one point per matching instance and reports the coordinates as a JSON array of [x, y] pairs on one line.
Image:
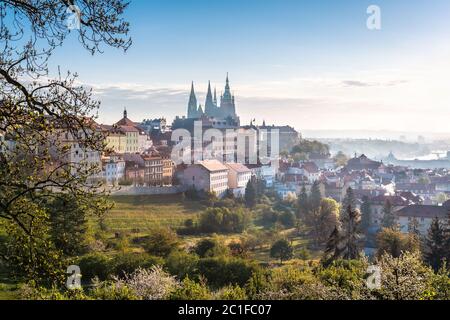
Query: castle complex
[[225, 111]]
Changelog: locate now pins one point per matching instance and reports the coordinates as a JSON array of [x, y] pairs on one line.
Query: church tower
[[210, 108], [192, 105], [227, 105]]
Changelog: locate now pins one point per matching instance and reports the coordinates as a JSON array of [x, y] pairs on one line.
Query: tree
[[323, 220], [303, 204], [223, 220], [435, 252], [282, 250], [161, 242], [68, 218], [404, 278], [394, 242], [332, 250], [366, 213], [413, 227], [250, 194], [315, 197], [350, 235], [41, 113], [348, 201], [389, 219], [340, 159]]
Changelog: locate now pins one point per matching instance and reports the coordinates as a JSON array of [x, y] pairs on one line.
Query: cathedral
[[225, 111]]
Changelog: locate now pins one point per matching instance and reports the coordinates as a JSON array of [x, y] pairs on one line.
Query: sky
[[311, 64]]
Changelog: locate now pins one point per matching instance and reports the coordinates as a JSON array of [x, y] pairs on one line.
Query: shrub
[[109, 290], [231, 293], [95, 265], [222, 271], [127, 263], [153, 284], [191, 290], [182, 264], [210, 248], [161, 242], [223, 220]]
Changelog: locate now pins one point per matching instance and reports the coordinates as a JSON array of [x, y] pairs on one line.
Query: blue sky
[[311, 64]]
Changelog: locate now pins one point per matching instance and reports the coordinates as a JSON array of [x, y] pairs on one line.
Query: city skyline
[[311, 60]]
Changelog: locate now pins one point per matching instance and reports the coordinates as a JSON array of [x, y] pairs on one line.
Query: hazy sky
[[310, 64]]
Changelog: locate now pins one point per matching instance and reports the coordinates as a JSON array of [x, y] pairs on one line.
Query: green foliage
[[340, 159], [29, 250], [348, 201], [222, 271], [110, 291], [95, 265], [389, 219], [231, 293], [127, 263], [250, 194], [287, 219], [282, 250], [315, 197], [394, 242], [68, 224], [182, 264], [366, 213], [303, 204], [346, 276], [404, 278], [306, 147], [436, 250], [223, 220], [210, 247], [161, 242], [191, 290]]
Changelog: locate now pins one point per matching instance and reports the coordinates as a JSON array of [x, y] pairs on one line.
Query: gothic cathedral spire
[[192, 105]]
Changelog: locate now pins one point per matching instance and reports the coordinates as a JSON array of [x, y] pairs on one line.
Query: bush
[[161, 242], [191, 290], [182, 264], [231, 293], [224, 271], [223, 220], [153, 284], [109, 290], [95, 265], [287, 219], [127, 263], [210, 248]]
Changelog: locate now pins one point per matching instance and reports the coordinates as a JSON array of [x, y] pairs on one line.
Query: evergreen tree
[[351, 235], [389, 220], [315, 197], [349, 201], [303, 204], [366, 212], [332, 249], [435, 252], [413, 227], [250, 194], [68, 224]]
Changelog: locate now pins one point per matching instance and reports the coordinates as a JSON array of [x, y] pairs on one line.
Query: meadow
[[139, 214]]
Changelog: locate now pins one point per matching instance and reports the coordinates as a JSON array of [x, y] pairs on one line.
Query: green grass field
[[140, 214]]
